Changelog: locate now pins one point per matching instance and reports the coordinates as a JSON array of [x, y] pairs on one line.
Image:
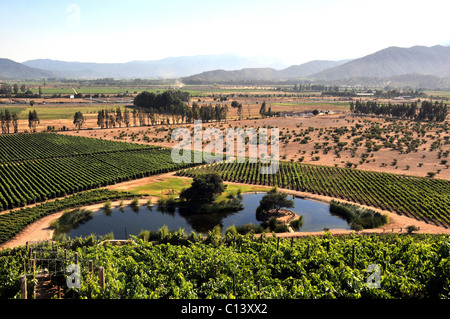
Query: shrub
[[411, 228], [297, 224]]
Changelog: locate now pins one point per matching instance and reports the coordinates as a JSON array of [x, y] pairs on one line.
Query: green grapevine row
[[34, 181], [21, 147], [421, 198]]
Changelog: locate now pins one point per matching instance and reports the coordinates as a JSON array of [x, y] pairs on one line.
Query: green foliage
[[297, 223], [358, 217], [411, 266], [70, 219], [274, 200], [204, 189]]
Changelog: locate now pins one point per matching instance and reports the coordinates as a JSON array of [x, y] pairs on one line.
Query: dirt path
[[40, 230]]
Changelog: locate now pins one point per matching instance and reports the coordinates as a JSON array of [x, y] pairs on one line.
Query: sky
[[294, 31]]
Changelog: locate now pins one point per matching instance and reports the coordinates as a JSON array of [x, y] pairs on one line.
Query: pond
[[126, 221]]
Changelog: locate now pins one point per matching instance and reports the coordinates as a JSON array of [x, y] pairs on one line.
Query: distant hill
[[404, 80], [172, 67], [393, 61], [17, 71], [261, 74]]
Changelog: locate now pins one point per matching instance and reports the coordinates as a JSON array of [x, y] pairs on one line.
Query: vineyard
[[234, 266], [21, 147], [37, 167], [420, 198]]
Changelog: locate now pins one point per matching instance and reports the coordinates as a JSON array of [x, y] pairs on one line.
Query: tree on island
[[274, 200], [204, 189]]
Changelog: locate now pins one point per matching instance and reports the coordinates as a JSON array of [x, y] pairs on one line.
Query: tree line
[[10, 121], [159, 108], [427, 111], [18, 90]]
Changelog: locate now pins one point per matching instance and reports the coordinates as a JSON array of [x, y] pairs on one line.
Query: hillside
[[13, 70], [261, 74], [393, 61]]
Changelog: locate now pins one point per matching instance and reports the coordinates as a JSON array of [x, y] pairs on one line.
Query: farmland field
[[53, 165]]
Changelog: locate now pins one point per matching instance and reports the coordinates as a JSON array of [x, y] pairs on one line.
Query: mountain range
[[172, 67], [261, 74], [417, 66]]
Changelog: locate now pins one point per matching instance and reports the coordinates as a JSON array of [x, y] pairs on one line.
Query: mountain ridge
[[170, 67], [393, 61], [10, 69]]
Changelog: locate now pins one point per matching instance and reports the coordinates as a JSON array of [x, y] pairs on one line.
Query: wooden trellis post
[[353, 256], [23, 286], [101, 274], [91, 267]]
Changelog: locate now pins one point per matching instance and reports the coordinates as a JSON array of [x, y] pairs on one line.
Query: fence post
[[91, 267], [353, 256], [23, 286], [101, 274], [33, 263], [76, 258]]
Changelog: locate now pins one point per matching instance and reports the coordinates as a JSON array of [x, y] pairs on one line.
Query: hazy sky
[[294, 31]]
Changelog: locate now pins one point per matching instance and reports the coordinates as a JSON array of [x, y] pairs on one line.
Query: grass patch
[[171, 186], [70, 219], [163, 188]]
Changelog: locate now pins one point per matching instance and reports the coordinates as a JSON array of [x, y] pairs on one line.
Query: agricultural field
[[54, 165], [367, 143]]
